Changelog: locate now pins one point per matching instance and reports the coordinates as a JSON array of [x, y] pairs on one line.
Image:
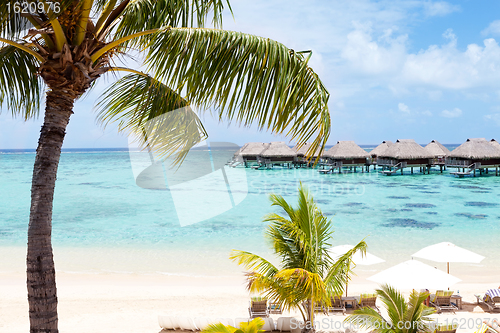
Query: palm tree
[[253, 326], [403, 317], [308, 275], [59, 48]]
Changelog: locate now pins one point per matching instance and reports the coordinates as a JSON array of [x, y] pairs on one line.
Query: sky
[[395, 69]]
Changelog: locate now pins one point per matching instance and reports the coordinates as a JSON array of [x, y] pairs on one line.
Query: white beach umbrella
[[448, 252], [413, 274], [369, 259]]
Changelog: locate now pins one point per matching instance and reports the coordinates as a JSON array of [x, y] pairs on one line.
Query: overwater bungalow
[[345, 154], [277, 153], [379, 149], [439, 153], [474, 154], [402, 154], [301, 154], [251, 151]]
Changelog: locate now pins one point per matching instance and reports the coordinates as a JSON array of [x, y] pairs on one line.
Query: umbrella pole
[[448, 266]]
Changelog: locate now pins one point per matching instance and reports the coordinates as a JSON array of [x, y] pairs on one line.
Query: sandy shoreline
[[132, 302]]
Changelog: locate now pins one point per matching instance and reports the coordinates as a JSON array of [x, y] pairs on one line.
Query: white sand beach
[[131, 303]]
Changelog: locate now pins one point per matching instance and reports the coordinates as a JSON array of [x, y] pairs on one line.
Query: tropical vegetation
[[58, 49], [253, 326], [403, 316], [307, 276]]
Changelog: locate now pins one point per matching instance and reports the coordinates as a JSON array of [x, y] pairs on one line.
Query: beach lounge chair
[[484, 328], [368, 300], [238, 321], [224, 321], [442, 301], [274, 308], [186, 324], [451, 328], [285, 324], [258, 308], [320, 307], [268, 325], [166, 322], [491, 299], [337, 305], [202, 323]]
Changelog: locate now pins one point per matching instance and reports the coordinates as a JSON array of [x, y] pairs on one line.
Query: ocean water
[[103, 221]]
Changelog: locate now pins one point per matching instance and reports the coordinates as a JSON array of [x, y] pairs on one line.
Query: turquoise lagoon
[[104, 222]]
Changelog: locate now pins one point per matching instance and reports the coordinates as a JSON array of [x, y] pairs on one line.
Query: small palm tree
[[254, 326], [403, 317], [308, 275]]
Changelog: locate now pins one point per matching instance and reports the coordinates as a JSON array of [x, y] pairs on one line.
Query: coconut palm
[[253, 326], [307, 275], [403, 316], [58, 49]]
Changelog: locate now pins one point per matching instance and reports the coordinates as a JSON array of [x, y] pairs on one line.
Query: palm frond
[[161, 118], [394, 302], [144, 15], [219, 328], [253, 326], [370, 319], [253, 262], [20, 87], [339, 272], [250, 79]]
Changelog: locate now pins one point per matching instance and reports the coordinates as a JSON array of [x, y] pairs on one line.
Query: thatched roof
[[495, 143], [346, 150], [253, 148], [476, 149], [278, 149], [381, 147], [303, 151], [437, 149], [406, 150]]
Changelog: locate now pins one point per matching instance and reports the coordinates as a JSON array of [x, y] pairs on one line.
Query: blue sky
[[395, 70]]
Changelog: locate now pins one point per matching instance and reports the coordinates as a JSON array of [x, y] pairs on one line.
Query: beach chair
[[442, 301], [491, 299], [268, 325], [258, 308], [224, 321], [320, 307], [274, 308], [166, 322], [451, 328], [238, 321], [285, 324], [368, 300], [485, 328], [337, 305], [202, 323], [186, 324]]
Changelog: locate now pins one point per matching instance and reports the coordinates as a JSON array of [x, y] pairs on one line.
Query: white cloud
[[369, 56], [492, 29], [427, 113], [456, 112], [493, 117], [439, 8], [404, 108]]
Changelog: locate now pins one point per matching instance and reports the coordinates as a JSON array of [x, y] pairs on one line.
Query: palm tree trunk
[[41, 275]]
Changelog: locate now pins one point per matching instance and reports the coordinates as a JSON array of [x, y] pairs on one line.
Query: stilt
[[496, 171], [474, 172], [487, 170], [441, 168], [401, 170], [412, 170]]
